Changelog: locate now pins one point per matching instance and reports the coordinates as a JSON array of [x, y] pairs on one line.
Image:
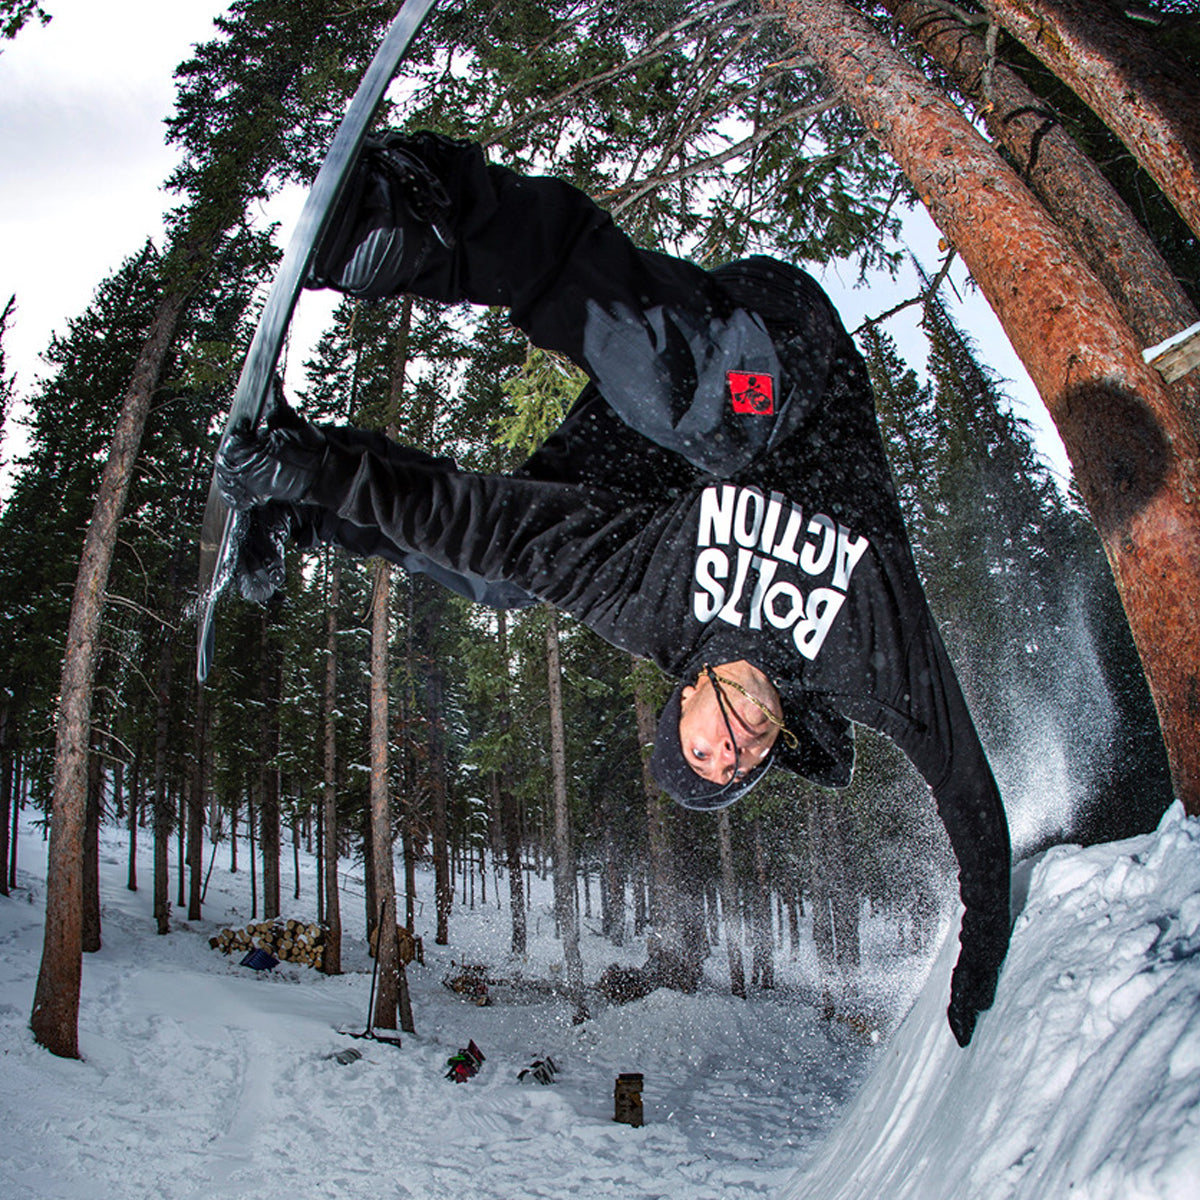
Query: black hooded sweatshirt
[[718, 492]]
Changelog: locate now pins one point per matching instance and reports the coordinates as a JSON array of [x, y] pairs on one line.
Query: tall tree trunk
[[613, 878], [55, 1016], [234, 808], [1145, 94], [1135, 457], [181, 841], [661, 907], [163, 818], [835, 890], [296, 855], [135, 803], [331, 962], [387, 946], [268, 820], [729, 905], [15, 824], [253, 803], [195, 811], [410, 871], [91, 854], [7, 765], [565, 908], [440, 826], [1111, 241], [763, 969], [510, 817], [118, 786]]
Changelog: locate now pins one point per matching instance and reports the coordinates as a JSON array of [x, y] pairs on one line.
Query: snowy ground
[[203, 1079]]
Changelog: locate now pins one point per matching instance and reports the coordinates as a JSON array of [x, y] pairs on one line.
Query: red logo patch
[[752, 393]]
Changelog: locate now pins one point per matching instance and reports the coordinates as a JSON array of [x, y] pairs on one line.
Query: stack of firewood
[[288, 941], [410, 947]]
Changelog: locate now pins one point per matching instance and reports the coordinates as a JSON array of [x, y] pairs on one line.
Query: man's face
[[704, 734]]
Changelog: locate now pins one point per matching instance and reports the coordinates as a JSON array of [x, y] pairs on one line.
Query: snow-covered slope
[[1084, 1078], [204, 1079]]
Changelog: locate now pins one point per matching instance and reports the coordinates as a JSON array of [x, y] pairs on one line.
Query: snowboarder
[[717, 500]]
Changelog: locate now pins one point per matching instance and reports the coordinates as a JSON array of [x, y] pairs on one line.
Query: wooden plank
[[1178, 355]]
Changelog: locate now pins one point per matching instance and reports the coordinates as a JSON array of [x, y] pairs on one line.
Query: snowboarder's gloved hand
[[281, 463], [259, 569], [973, 986], [384, 225]]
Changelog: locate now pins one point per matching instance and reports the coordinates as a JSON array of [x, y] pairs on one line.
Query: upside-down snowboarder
[[717, 500]]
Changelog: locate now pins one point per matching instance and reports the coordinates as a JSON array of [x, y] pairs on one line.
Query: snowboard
[[221, 529]]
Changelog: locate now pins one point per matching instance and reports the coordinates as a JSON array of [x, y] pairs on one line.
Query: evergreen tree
[[16, 14], [1011, 573]]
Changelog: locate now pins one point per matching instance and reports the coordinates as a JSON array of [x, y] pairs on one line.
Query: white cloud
[[82, 101]]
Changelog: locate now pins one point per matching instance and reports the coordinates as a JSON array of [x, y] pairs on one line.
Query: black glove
[[280, 463], [381, 230], [973, 987], [262, 535]]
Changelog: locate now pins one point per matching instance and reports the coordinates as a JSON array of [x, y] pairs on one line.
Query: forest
[[370, 715]]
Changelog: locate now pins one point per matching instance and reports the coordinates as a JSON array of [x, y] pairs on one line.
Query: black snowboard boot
[[386, 222]]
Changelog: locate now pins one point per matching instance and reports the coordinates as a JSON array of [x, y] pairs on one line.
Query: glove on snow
[[972, 990], [379, 233]]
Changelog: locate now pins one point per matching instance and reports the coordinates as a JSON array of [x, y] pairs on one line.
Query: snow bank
[[1082, 1080], [203, 1079]]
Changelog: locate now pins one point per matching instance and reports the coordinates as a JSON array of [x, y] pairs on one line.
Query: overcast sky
[[82, 102]]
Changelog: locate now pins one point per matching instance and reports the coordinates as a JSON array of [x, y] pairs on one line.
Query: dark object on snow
[[260, 960], [542, 1070], [347, 1056], [465, 1063], [627, 1099], [472, 982], [664, 968], [623, 984]]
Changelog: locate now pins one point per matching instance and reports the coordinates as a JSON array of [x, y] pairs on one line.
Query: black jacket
[[718, 492]]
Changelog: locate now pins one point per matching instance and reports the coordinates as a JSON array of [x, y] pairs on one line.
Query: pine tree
[[16, 14], [1133, 448], [234, 129]]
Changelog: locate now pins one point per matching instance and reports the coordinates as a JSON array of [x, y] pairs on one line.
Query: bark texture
[[55, 1016], [510, 816], [661, 876], [565, 907], [331, 961], [1146, 96], [270, 683], [1134, 454], [729, 906], [387, 997], [195, 807], [7, 765], [1073, 190]]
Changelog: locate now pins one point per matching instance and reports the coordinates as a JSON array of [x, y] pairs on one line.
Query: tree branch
[[716, 160], [922, 297]]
